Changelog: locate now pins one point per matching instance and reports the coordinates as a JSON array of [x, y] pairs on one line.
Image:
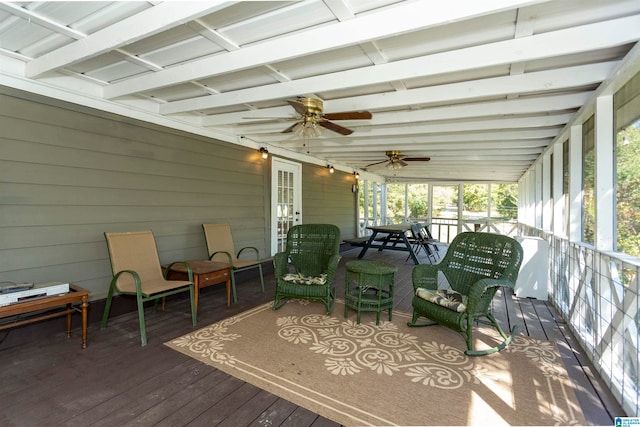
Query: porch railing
[[597, 295], [445, 229], [595, 292]]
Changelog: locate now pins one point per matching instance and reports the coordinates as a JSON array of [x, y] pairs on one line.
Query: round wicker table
[[369, 287]]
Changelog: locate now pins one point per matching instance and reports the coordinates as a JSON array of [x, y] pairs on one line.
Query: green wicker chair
[[307, 267], [475, 265]]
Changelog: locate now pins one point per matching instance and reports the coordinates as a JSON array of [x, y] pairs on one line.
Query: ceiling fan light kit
[[395, 165], [307, 128]]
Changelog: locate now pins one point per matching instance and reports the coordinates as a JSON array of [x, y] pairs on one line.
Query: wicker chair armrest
[[229, 258], [185, 263], [425, 276], [332, 267], [482, 291], [250, 248], [280, 264]]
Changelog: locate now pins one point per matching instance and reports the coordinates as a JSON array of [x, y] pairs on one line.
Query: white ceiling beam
[[554, 43], [540, 81], [36, 18], [541, 104], [496, 86], [388, 21], [460, 126], [340, 9], [452, 156], [508, 135], [211, 34], [462, 111], [516, 146], [151, 21], [134, 59]]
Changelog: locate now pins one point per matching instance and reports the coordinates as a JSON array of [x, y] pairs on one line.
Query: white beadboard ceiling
[[481, 87]]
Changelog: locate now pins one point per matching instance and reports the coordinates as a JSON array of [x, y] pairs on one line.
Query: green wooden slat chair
[[475, 266], [136, 271], [312, 251], [221, 249]]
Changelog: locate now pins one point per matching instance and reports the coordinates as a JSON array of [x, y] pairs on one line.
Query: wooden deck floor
[[49, 380]]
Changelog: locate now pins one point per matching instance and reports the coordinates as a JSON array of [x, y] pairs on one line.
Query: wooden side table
[[66, 302], [205, 273]]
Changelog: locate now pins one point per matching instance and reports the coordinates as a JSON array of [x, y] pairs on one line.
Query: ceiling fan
[[396, 160], [312, 118]]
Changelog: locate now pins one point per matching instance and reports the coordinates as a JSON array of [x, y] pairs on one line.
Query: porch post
[[604, 185], [575, 184], [547, 208], [558, 196], [538, 194]]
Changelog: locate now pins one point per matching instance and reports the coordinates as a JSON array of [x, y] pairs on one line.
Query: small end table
[[205, 273], [369, 287], [68, 304]]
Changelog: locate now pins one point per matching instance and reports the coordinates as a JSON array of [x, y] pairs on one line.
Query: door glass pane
[[284, 207]]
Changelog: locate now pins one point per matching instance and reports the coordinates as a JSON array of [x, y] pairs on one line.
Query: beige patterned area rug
[[388, 374]]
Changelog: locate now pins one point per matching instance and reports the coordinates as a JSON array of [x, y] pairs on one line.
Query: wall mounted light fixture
[[356, 175], [331, 169], [264, 152]]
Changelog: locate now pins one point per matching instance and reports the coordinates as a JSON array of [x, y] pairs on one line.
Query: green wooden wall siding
[[69, 173], [326, 197]]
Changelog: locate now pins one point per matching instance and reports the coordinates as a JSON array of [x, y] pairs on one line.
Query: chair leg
[[107, 307], [278, 301], [414, 321], [143, 330], [233, 286], [329, 303], [261, 277], [194, 307], [507, 339]]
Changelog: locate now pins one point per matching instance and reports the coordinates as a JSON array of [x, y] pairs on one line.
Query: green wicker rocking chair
[[475, 265], [312, 251]]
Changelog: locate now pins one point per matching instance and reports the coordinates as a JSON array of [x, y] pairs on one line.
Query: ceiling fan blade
[[290, 128], [269, 118], [416, 159], [298, 106], [377, 163], [348, 115], [336, 128]]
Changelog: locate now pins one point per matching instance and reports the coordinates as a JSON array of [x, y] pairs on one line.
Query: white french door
[[286, 200]]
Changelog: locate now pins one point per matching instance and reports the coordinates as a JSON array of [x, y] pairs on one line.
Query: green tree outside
[[628, 189]]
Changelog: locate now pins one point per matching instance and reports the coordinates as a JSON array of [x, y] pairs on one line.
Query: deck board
[[115, 381]]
